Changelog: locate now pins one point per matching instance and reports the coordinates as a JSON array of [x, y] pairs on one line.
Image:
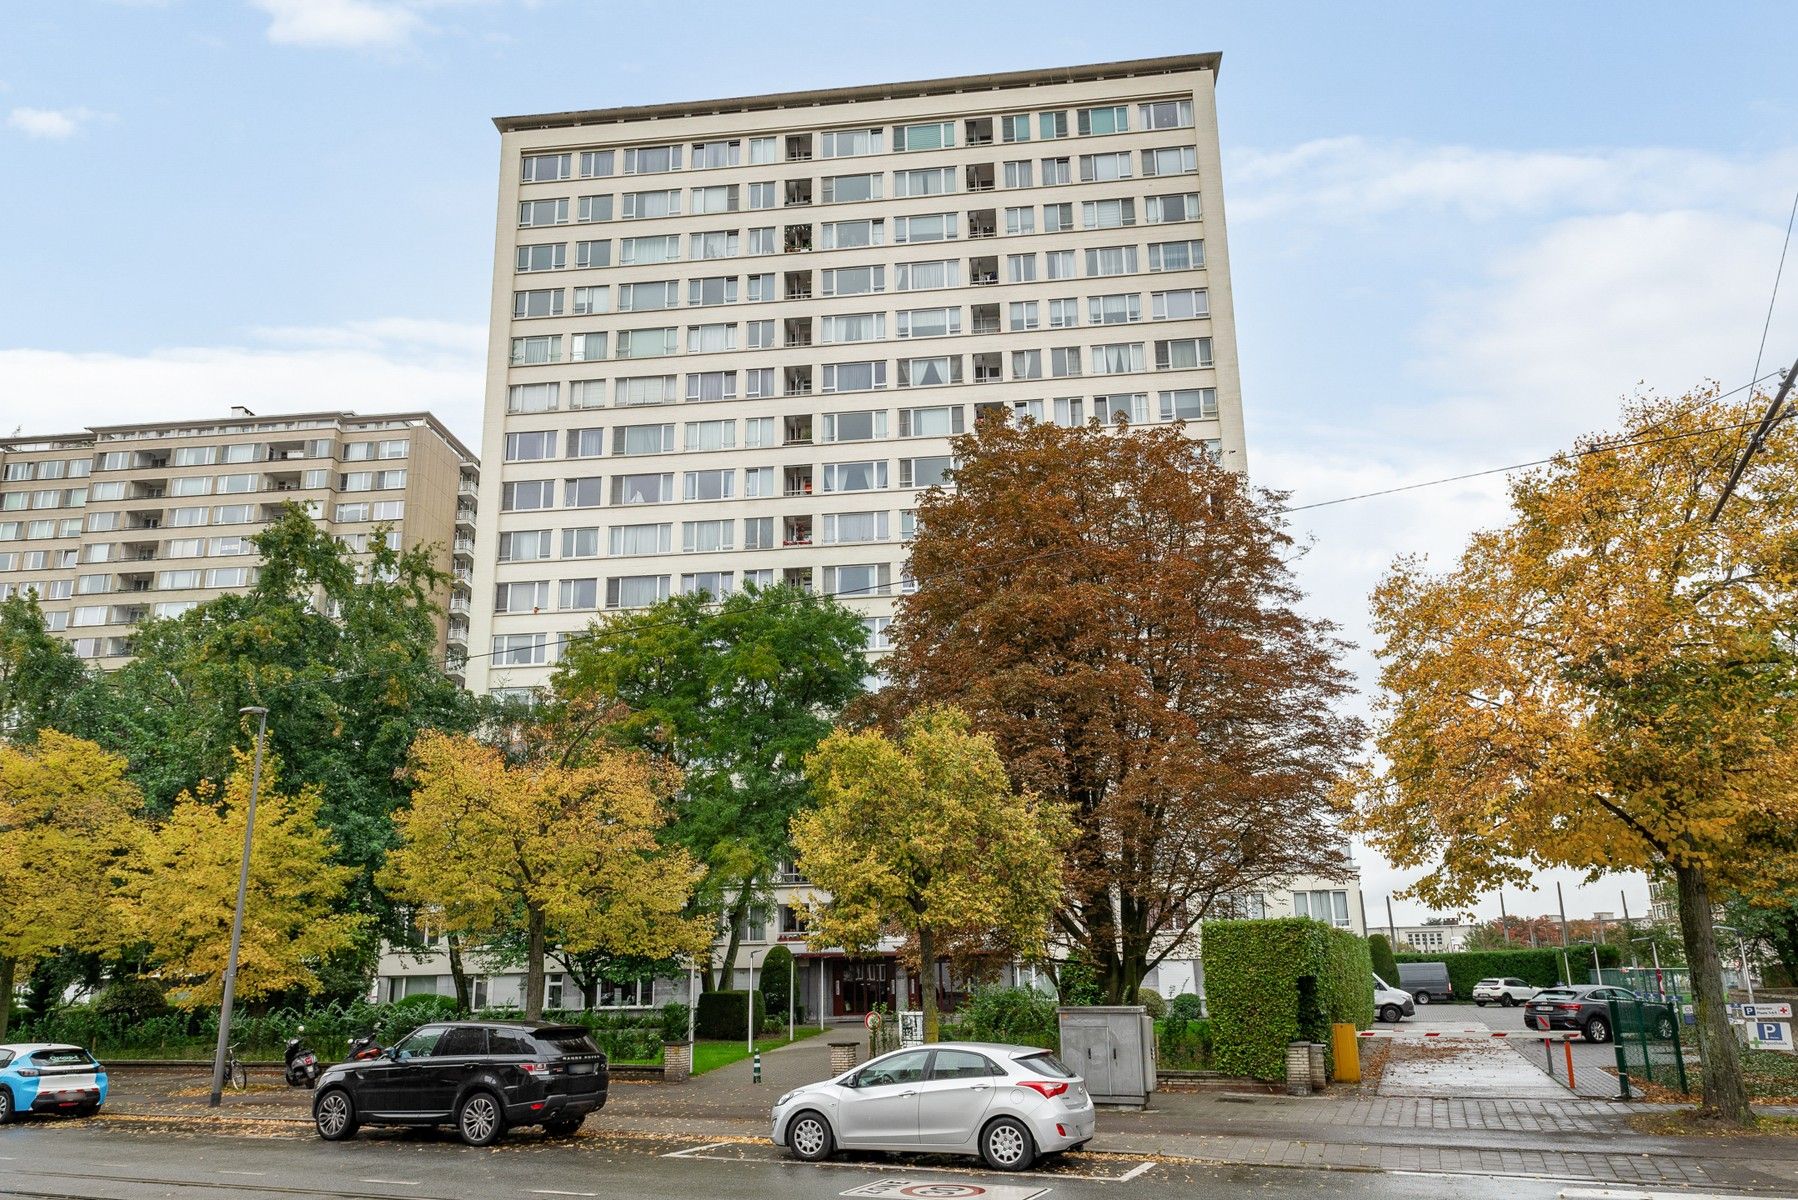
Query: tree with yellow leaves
[[184, 889], [68, 828], [562, 842], [1608, 683], [926, 834]]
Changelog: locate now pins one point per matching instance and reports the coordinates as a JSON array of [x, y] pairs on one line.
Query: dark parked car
[[1586, 1009], [483, 1076]]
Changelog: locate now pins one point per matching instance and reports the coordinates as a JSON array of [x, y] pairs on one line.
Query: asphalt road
[[102, 1160], [1590, 1061]]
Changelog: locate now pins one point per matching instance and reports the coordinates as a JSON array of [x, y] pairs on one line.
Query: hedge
[[725, 1015], [776, 975], [1538, 968], [1384, 964], [1271, 982]]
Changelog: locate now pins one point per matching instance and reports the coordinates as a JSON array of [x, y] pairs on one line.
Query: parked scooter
[[363, 1048], [302, 1063]]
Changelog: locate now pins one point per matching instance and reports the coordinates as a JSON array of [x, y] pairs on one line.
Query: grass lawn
[[709, 1056]]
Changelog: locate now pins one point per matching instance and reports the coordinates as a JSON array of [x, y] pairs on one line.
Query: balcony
[[983, 223], [457, 633], [978, 131], [465, 514], [796, 531], [467, 487], [799, 147], [796, 431], [797, 331], [798, 577], [797, 192], [980, 177], [463, 545], [797, 481], [797, 239], [458, 606], [463, 575]]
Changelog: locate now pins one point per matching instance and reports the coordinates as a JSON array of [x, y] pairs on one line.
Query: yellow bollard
[[1345, 1047]]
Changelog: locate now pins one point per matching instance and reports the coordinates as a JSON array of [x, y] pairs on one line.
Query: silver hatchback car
[[1008, 1104]]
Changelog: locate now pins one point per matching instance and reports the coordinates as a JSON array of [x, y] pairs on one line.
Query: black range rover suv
[[481, 1075]]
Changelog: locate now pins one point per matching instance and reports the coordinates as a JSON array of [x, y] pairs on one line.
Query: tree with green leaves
[[41, 681], [735, 693], [925, 835]]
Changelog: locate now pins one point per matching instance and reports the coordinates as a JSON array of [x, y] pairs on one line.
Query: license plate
[[582, 1068]]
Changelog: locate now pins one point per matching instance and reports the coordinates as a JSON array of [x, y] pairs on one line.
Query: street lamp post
[[243, 887], [1742, 957], [792, 1007]]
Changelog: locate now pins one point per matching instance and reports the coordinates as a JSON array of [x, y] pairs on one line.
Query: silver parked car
[[1008, 1104]]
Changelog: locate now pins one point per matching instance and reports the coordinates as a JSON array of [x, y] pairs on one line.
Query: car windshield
[[420, 1044], [568, 1041], [1488, 983], [1554, 994], [1046, 1064], [61, 1057]]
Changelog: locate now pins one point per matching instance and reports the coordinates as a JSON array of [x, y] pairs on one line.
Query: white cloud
[[376, 366], [341, 24], [54, 123]]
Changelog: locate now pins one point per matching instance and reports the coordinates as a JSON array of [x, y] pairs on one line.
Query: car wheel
[[1391, 1014], [6, 1105], [1479, 1004], [1421, 997], [563, 1127], [1006, 1145], [480, 1120], [1663, 1027], [1598, 1029], [334, 1115], [809, 1137], [1507, 1001]]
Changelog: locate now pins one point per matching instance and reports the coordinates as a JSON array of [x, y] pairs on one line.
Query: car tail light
[[1568, 1007], [1061, 1130], [28, 1072], [1049, 1090], [535, 1068]]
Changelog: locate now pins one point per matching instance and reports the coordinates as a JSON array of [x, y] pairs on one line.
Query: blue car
[[38, 1077]]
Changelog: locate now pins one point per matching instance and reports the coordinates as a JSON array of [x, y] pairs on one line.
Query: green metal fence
[[1650, 1035]]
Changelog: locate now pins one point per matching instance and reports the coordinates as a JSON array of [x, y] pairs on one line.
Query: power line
[[1754, 442]]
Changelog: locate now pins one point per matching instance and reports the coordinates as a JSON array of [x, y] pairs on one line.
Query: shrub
[[132, 1000], [394, 1021], [1271, 982], [724, 1015], [1013, 1015], [1078, 983], [1540, 968], [775, 977], [674, 1021], [1186, 1007], [1151, 1000], [1384, 965], [1183, 1044]]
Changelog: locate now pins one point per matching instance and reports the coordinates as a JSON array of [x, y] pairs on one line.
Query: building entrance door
[[860, 984]]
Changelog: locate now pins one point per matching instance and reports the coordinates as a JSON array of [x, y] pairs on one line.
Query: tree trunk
[[7, 967], [1725, 1093], [533, 978], [927, 980], [459, 974], [739, 917]]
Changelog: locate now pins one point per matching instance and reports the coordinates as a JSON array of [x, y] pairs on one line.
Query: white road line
[[554, 1192], [695, 1151], [392, 1182], [1133, 1172], [256, 1173]]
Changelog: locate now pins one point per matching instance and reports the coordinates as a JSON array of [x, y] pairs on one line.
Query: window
[[193, 485], [761, 241], [1052, 125], [1181, 305], [923, 276], [1129, 406], [88, 585], [1069, 411], [596, 164], [648, 297], [1014, 127], [699, 537], [1057, 171], [846, 235], [760, 335], [934, 135], [531, 397], [184, 456], [1182, 206], [631, 541], [852, 327], [636, 591], [642, 160], [528, 447], [1111, 119], [547, 256], [1192, 403], [710, 339], [1114, 310], [1328, 907], [589, 300], [586, 347], [928, 181], [643, 489], [933, 227], [854, 281], [593, 208], [757, 483], [574, 595], [527, 545], [593, 254], [521, 597], [845, 143], [1023, 315], [1059, 264], [712, 385], [645, 389], [514, 497], [855, 476], [711, 435], [520, 649], [854, 376], [761, 150], [761, 195], [1064, 362], [844, 189], [720, 198], [642, 439], [587, 393], [647, 343], [723, 244], [758, 432], [1020, 220], [1111, 260], [1102, 168], [546, 302], [532, 213], [716, 584], [1108, 214], [860, 579], [90, 615], [853, 426], [1175, 160], [1182, 354], [707, 155], [1176, 256], [1117, 358], [1165, 114], [929, 322], [1020, 268], [582, 492], [761, 289], [758, 383], [634, 250], [1017, 173], [940, 421], [1026, 364], [544, 168]]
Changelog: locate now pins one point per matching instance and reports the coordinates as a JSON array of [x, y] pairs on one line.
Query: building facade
[[117, 524], [732, 339]]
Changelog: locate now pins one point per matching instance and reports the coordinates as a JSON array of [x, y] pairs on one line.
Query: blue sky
[[1458, 233]]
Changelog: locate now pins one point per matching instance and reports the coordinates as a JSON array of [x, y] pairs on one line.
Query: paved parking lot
[[1594, 1066]]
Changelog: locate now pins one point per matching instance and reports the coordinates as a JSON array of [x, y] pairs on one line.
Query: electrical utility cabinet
[[1113, 1048]]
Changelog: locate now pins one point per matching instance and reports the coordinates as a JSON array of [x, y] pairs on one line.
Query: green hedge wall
[[1253, 971], [724, 1015], [1384, 965], [1539, 967]]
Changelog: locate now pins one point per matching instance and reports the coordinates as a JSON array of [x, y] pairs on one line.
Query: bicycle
[[236, 1074]]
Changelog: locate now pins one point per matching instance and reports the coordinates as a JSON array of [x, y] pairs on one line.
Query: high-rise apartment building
[[732, 339], [112, 525]]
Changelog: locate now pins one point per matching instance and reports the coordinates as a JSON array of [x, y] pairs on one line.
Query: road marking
[[1133, 1172], [554, 1192], [923, 1189], [695, 1151], [392, 1182], [257, 1173]]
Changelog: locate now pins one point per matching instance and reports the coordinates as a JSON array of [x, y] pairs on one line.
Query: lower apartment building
[[117, 524]]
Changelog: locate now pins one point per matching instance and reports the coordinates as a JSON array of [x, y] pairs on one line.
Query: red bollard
[[1569, 1044]]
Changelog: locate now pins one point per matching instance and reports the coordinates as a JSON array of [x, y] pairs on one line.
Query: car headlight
[[786, 1097]]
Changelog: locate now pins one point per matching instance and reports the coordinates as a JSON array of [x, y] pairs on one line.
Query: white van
[[1391, 1004]]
